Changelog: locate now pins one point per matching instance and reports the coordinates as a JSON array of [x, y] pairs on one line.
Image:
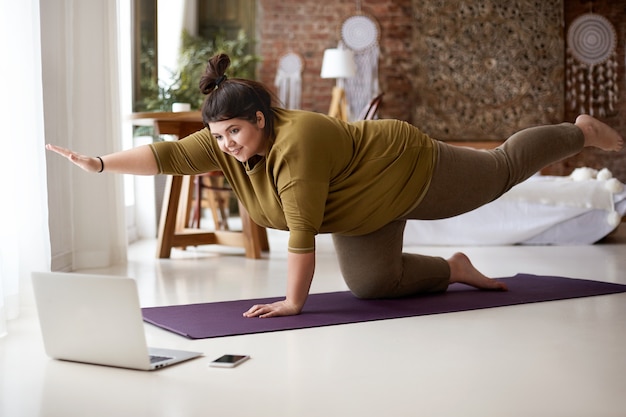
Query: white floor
[[562, 358]]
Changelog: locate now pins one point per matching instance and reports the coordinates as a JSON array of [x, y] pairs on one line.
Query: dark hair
[[229, 98]]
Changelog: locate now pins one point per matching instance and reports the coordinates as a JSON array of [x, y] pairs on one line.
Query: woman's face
[[239, 137]]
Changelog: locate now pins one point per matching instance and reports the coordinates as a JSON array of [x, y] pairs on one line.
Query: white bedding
[[543, 210]]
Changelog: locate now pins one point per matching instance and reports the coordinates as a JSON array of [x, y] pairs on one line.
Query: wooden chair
[[217, 198], [369, 111]]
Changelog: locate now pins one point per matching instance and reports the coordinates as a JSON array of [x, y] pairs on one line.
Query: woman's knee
[[413, 274], [370, 264], [371, 285], [370, 276]]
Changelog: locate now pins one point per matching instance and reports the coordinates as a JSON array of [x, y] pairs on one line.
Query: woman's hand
[[88, 163], [279, 308], [300, 269]]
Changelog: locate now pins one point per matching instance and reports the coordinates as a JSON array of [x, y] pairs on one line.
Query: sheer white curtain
[[82, 112], [24, 235]]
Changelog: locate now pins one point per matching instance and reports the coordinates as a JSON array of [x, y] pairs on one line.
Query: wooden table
[[173, 224]]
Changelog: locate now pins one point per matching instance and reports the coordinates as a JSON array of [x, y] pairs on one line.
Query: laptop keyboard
[[154, 358]]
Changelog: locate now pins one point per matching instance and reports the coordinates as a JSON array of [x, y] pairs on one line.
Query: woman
[[309, 174]]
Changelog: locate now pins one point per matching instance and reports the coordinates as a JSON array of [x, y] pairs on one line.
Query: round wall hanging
[[359, 32], [290, 63], [591, 39], [591, 66], [289, 80]]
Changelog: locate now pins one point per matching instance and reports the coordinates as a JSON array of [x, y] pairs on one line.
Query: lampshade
[[338, 63]]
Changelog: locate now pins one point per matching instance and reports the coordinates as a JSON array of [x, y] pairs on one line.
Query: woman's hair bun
[[215, 73]]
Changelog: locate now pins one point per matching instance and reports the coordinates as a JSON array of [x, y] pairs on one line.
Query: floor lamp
[[339, 64]]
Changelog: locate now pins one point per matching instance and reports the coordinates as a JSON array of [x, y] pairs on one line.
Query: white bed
[[545, 210]]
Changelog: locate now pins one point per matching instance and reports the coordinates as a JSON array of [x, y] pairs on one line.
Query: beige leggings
[[374, 265]]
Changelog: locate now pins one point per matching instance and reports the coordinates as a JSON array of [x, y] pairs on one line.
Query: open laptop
[[96, 319]]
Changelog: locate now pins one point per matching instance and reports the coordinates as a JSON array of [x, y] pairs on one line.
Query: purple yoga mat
[[199, 321]]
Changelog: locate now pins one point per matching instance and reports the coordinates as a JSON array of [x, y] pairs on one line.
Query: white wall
[[82, 112]]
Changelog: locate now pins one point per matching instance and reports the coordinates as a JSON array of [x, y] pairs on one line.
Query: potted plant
[[194, 55]]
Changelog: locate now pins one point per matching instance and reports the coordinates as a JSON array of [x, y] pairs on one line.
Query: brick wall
[[311, 26], [308, 27]]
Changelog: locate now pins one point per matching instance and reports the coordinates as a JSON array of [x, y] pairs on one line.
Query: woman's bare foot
[[462, 271], [598, 134]]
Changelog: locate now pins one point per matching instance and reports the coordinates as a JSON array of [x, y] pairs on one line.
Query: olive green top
[[320, 175]]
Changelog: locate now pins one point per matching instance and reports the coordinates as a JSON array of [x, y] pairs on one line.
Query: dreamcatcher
[[591, 82], [289, 80], [360, 33]]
